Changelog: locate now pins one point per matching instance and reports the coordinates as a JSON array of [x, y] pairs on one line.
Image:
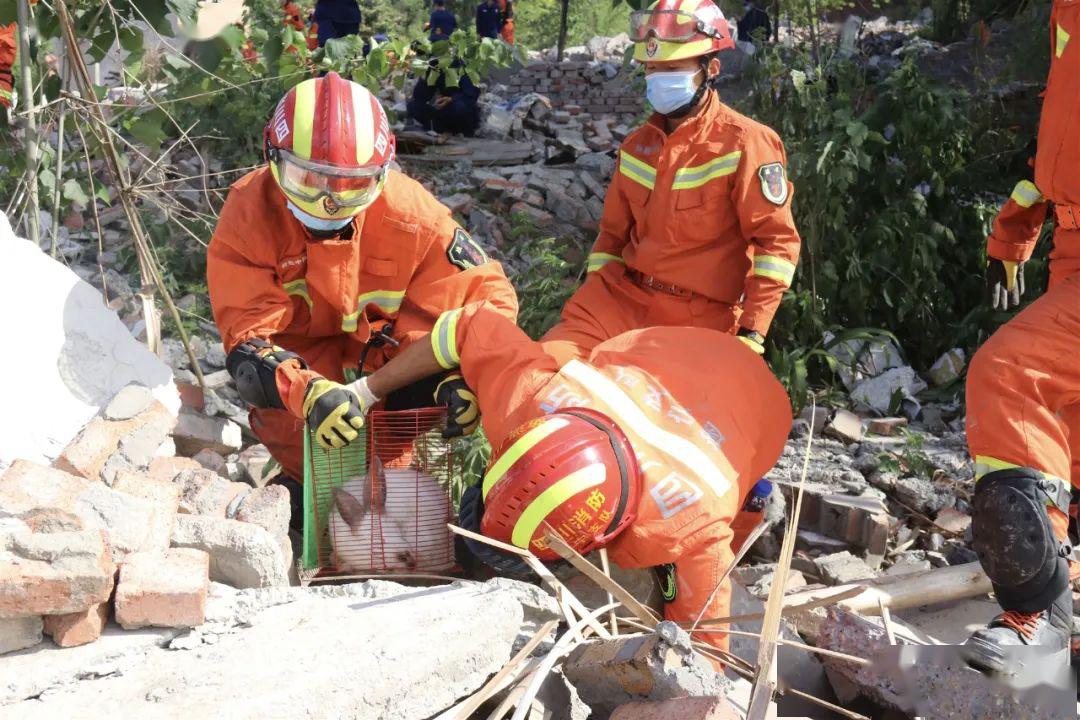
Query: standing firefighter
[[697, 227], [1023, 388], [326, 261], [648, 447]]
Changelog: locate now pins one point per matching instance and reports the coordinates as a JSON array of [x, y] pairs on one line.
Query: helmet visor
[[666, 25], [310, 181]]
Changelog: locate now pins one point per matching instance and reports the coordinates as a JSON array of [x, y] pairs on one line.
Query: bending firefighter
[[647, 448], [697, 227], [326, 262], [1023, 389]]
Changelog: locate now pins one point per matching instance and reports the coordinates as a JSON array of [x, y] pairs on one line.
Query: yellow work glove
[[462, 406], [1005, 281], [335, 412], [753, 340]]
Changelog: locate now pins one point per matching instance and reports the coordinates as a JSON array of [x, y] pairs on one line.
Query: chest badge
[[774, 185]]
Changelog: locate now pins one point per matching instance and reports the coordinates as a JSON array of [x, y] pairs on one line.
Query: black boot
[[994, 648]]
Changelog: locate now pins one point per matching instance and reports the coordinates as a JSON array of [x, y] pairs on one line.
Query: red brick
[[87, 454], [688, 708], [77, 628], [54, 573], [163, 589]]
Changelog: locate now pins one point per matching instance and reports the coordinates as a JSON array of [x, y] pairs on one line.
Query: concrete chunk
[[163, 589], [129, 402], [195, 432], [689, 708], [167, 468], [241, 554], [19, 633], [843, 567], [268, 507], [204, 492], [54, 573], [105, 446], [80, 628]]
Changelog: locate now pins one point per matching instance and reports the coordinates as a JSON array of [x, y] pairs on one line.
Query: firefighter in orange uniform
[[697, 227], [327, 261], [647, 448], [506, 7], [1023, 389]]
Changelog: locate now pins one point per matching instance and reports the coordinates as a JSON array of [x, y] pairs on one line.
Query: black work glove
[[462, 406], [1005, 282]]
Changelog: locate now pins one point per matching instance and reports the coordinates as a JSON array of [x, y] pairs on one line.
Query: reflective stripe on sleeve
[[599, 260], [776, 268], [1025, 194], [389, 301], [444, 340], [299, 289], [692, 177]]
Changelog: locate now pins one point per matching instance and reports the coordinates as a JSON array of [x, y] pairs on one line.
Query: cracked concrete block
[[253, 461], [610, 673], [53, 573], [195, 432], [204, 492], [268, 507], [842, 567], [163, 589], [241, 554], [128, 521], [105, 446], [81, 354], [79, 628], [19, 633]]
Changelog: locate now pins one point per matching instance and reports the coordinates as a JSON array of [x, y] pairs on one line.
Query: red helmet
[[679, 29], [573, 470], [329, 146]]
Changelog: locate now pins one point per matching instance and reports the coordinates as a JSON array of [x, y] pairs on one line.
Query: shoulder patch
[[774, 184], [465, 252]]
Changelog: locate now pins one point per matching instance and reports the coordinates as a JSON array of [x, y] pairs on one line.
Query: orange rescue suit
[[697, 230], [1023, 388], [704, 414], [407, 261], [8, 50]]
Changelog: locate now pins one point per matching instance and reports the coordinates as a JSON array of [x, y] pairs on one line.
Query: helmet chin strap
[[694, 101]]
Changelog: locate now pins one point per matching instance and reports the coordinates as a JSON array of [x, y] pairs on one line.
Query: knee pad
[[1015, 541], [253, 365]]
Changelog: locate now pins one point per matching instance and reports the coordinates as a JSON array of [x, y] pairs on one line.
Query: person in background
[[507, 7], [446, 109], [489, 19], [336, 19], [442, 23], [8, 49], [754, 19]]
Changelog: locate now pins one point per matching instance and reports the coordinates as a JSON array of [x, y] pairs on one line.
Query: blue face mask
[[317, 223], [669, 91]]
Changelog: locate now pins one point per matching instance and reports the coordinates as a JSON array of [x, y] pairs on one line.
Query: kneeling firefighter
[[328, 261]]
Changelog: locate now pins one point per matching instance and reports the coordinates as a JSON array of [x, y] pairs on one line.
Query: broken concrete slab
[[19, 633], [610, 673], [241, 554], [843, 567], [353, 655], [195, 432], [163, 589], [268, 507], [79, 628], [53, 573], [81, 356]]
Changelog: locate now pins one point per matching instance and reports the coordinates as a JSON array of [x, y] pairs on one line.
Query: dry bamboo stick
[[613, 619], [465, 709], [832, 599], [513, 696], [30, 137], [886, 620]]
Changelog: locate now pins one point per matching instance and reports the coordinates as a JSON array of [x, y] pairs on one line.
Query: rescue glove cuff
[[753, 340], [462, 406], [335, 412], [1005, 283]]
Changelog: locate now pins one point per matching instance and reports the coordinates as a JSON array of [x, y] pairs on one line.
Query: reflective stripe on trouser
[[389, 301], [692, 177], [775, 268], [1062, 38], [444, 340], [1023, 389], [1025, 194], [637, 170]]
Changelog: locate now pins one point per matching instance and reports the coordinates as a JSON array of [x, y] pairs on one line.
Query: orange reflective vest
[[705, 416], [1057, 163], [407, 261], [707, 209]]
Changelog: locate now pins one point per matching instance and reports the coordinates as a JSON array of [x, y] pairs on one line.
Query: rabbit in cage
[[363, 536], [421, 508]]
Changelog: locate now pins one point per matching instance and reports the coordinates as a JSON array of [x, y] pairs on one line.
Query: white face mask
[[669, 91], [317, 223]]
